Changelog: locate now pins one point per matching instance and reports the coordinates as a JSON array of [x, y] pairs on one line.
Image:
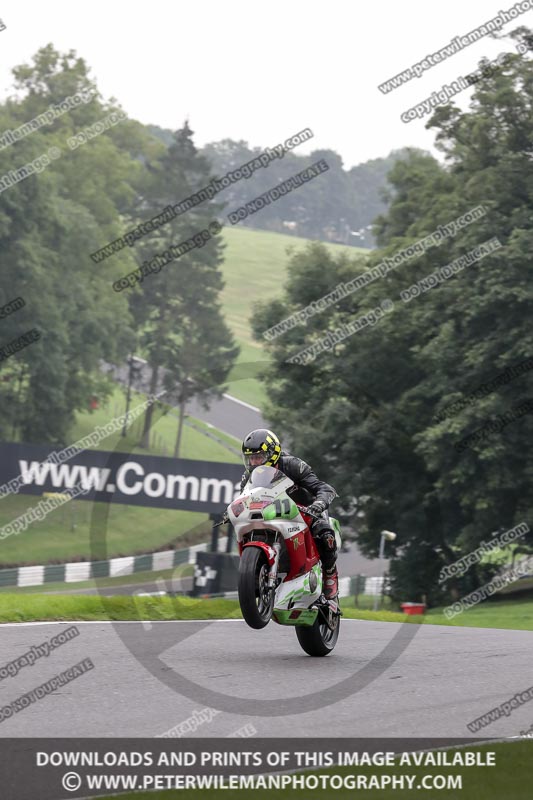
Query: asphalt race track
[[228, 414], [444, 678]]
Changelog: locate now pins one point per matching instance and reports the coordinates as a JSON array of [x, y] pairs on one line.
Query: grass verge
[[513, 615], [34, 607]]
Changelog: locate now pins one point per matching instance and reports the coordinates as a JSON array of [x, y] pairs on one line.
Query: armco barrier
[[155, 562], [114, 567]]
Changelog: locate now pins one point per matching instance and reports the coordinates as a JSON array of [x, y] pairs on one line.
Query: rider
[[262, 447]]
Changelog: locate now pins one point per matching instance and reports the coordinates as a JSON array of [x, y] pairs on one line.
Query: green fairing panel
[[283, 508]]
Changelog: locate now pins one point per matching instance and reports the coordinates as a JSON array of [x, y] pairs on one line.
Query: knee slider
[[327, 548], [327, 536]]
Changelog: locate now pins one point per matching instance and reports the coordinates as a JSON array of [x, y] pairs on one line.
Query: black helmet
[[262, 443]]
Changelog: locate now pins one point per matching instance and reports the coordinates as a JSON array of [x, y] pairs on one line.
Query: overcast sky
[[262, 71]]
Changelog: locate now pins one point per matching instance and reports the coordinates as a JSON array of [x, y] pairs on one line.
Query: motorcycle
[[280, 573]]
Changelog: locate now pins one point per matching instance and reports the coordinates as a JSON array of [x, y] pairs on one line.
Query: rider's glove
[[316, 508], [225, 518]]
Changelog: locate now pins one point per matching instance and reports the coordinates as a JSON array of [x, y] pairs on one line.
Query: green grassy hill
[[255, 268]]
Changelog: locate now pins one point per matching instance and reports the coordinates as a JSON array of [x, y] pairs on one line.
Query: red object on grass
[[413, 608]]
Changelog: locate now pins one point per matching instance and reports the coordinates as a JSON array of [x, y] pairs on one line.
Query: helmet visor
[[255, 460]]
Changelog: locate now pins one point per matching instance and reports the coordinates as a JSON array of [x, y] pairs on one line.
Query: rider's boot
[[331, 583]]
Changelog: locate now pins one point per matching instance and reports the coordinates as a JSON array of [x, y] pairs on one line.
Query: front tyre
[[318, 639], [256, 600]]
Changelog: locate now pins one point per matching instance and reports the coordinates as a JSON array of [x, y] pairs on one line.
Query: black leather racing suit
[[308, 488]]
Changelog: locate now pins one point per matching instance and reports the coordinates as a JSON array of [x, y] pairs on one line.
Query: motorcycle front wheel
[[256, 600], [318, 639]]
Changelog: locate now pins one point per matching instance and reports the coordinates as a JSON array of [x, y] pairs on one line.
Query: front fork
[[273, 571]]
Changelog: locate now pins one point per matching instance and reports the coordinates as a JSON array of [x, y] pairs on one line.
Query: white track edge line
[[241, 402]]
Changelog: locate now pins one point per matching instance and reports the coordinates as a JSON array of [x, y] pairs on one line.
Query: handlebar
[[309, 514]]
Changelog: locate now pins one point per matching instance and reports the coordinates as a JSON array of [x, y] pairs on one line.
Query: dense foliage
[[52, 221], [366, 412]]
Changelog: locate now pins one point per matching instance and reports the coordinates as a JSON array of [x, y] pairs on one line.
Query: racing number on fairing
[[283, 508]]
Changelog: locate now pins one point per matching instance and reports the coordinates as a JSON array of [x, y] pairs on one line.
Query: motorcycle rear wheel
[[255, 599], [318, 639]]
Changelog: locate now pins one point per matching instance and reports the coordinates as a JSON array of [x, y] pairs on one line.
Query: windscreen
[[266, 477]]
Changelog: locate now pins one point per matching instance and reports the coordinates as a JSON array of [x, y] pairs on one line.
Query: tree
[[49, 223], [177, 311], [338, 205]]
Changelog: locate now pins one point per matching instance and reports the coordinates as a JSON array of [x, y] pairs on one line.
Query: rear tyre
[[318, 639], [256, 600]]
